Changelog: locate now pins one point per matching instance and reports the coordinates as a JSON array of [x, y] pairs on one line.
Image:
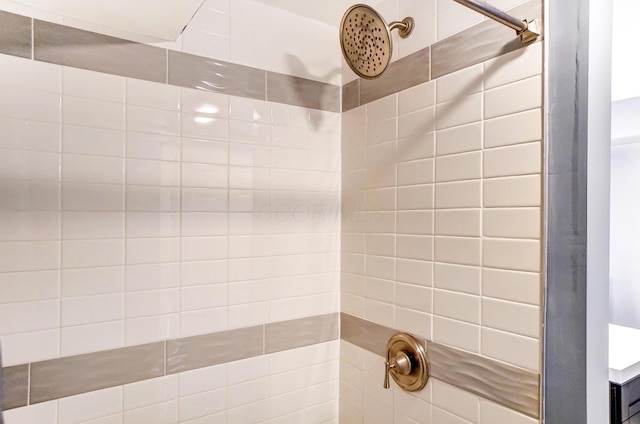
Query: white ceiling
[[328, 11]]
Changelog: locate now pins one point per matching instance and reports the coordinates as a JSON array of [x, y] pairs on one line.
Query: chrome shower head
[[366, 42]]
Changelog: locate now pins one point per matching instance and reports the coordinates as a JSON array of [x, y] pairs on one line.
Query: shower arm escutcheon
[[527, 30]]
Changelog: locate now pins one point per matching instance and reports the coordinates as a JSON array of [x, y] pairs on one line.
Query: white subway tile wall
[[298, 385], [134, 212], [452, 251]]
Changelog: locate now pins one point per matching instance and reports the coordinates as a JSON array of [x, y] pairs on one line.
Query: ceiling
[[329, 12]]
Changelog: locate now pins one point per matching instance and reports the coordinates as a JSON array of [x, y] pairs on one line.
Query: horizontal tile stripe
[[63, 45], [479, 43], [15, 35], [190, 71], [72, 375], [195, 352], [507, 385], [58, 378], [15, 381], [474, 45], [67, 46], [302, 92], [287, 335]]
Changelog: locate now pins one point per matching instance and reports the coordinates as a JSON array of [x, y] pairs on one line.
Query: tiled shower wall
[[442, 226], [135, 212]]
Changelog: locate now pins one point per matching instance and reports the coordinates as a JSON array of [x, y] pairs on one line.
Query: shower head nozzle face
[[366, 41]]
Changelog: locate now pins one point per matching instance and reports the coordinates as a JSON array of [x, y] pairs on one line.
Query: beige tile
[[458, 278], [302, 92], [419, 122], [463, 222], [352, 263], [382, 109], [300, 332], [513, 129], [465, 166], [381, 313], [522, 159], [381, 176], [459, 84], [458, 334], [380, 222], [491, 412], [414, 322], [414, 272], [354, 180], [519, 255], [420, 146], [466, 194], [511, 348], [68, 46], [511, 317], [381, 154], [413, 297], [514, 66], [460, 139], [353, 160], [380, 244], [414, 222], [441, 416], [353, 284], [212, 349], [418, 97], [15, 35], [513, 98], [523, 287], [415, 247], [379, 131], [380, 267], [455, 400], [380, 200], [416, 172], [95, 371], [513, 192], [377, 289], [461, 111], [512, 223], [416, 197], [458, 306], [458, 250]]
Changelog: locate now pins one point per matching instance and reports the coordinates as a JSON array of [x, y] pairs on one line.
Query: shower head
[[366, 42]]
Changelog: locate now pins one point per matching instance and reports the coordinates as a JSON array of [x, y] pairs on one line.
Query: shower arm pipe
[[527, 30]]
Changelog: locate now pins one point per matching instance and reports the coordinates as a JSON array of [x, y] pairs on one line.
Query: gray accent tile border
[[27, 384], [73, 375], [287, 335], [300, 92], [195, 352], [507, 385], [482, 42], [63, 45], [77, 48], [474, 45], [402, 74], [190, 71], [16, 386], [15, 35]]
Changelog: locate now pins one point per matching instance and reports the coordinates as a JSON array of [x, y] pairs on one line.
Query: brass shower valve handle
[[406, 363], [400, 364]]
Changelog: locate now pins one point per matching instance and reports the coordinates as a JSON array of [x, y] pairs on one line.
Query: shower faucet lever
[[406, 362]]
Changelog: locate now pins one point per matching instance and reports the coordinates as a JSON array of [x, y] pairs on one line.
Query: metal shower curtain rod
[[527, 30]]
